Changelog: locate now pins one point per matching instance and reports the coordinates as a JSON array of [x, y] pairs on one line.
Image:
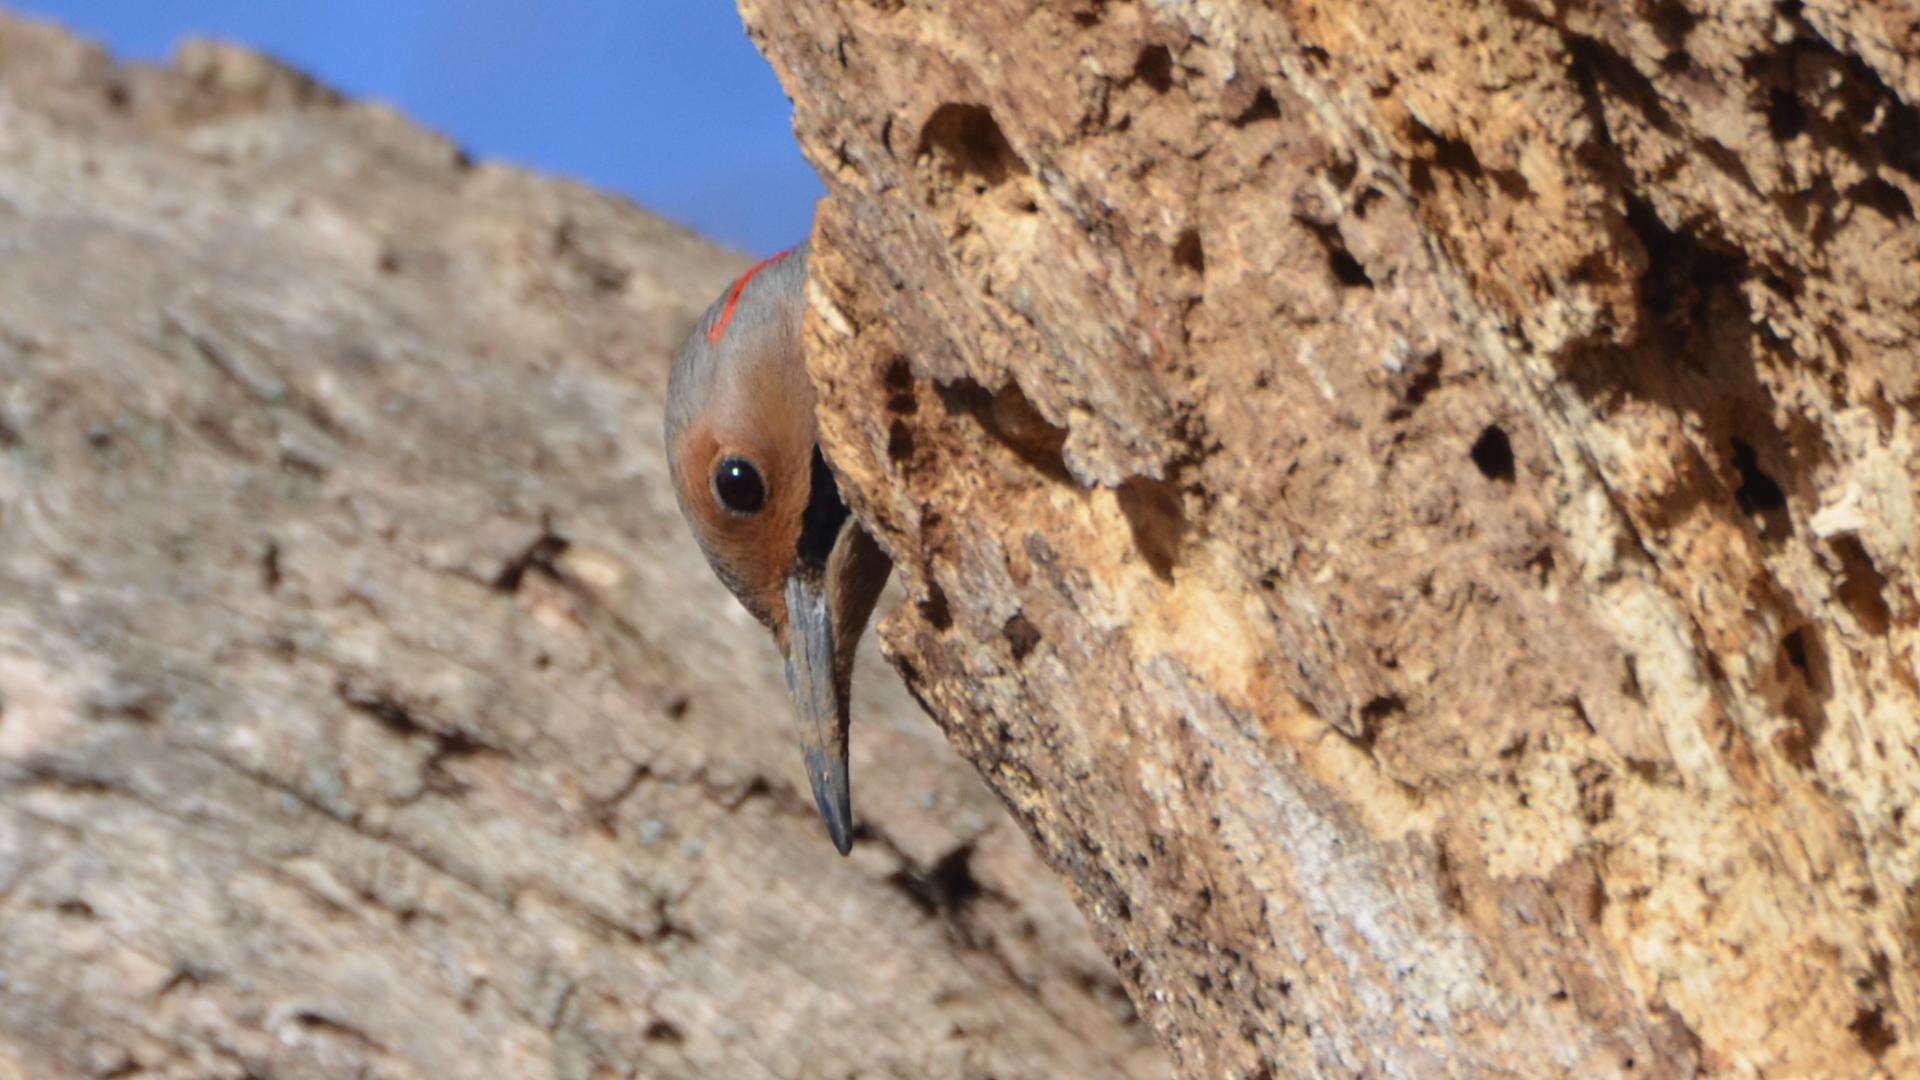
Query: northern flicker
[[764, 507]]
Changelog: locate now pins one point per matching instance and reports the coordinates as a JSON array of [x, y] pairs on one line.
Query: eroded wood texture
[[1414, 504], [364, 708]]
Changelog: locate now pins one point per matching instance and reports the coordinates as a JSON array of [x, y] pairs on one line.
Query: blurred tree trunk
[[1413, 505], [364, 707]]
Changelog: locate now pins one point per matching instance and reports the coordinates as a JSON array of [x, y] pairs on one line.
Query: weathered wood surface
[[1414, 504], [364, 708]]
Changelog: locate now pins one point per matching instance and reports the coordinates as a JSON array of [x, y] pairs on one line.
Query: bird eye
[[737, 484]]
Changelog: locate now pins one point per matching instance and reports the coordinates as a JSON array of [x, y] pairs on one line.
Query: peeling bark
[[1413, 506], [364, 708]]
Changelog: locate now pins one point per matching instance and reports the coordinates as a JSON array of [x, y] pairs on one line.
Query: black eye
[[737, 484]]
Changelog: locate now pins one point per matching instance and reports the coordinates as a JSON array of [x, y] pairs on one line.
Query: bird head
[[764, 506]]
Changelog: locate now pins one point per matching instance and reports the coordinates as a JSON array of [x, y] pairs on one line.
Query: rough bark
[[1412, 504], [364, 707]]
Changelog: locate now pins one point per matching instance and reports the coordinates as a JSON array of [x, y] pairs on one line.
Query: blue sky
[[664, 101]]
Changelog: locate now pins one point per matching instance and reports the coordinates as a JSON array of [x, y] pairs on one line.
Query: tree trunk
[[364, 705], [1412, 505]]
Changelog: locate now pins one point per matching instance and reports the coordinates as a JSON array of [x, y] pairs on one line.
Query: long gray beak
[[835, 580], [819, 694]]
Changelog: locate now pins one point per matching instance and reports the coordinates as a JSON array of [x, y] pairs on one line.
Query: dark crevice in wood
[[1492, 454], [538, 556], [1154, 66], [1013, 422], [1157, 518], [1022, 637], [944, 889], [1263, 107]]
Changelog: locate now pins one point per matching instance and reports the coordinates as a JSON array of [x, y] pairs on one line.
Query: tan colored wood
[[1413, 504]]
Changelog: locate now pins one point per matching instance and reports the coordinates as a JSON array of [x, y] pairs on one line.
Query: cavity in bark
[[1492, 454]]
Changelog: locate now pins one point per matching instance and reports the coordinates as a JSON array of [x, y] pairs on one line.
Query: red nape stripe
[[733, 298]]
